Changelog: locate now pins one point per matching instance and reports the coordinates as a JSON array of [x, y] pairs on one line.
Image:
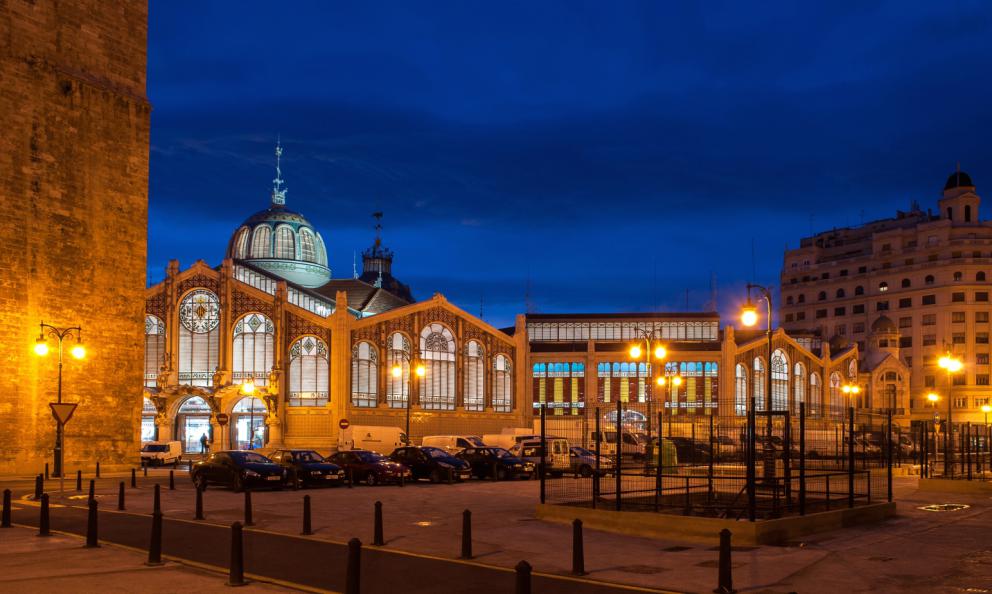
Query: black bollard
[[199, 504], [144, 469], [248, 521], [134, 480], [6, 509], [578, 550], [92, 489], [38, 487], [120, 496], [97, 469], [157, 501], [236, 574], [377, 539], [466, 534], [79, 480], [725, 583], [91, 527], [523, 578], [353, 577], [43, 526], [155, 546], [307, 531], [172, 480]]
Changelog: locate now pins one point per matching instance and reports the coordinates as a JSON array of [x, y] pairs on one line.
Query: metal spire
[[354, 264], [378, 228], [278, 192]]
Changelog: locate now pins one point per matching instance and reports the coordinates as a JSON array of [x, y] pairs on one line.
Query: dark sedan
[[432, 463], [308, 468], [370, 468], [238, 470], [488, 461]]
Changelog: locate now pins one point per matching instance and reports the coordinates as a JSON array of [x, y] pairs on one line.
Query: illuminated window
[[308, 367], [285, 243], [364, 375], [252, 349], [398, 355], [154, 348], [475, 395], [740, 390], [836, 401], [199, 337], [308, 249], [759, 384], [261, 242], [799, 387], [780, 381], [502, 384], [241, 243], [815, 395], [437, 350]]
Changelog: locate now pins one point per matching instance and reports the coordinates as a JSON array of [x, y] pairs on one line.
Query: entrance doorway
[[149, 432], [193, 422], [248, 424]]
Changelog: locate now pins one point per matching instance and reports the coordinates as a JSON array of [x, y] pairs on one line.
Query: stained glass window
[[308, 367], [154, 348], [398, 355], [502, 384], [475, 391], [253, 349], [285, 243], [261, 242], [199, 337], [364, 375], [780, 380], [437, 350]]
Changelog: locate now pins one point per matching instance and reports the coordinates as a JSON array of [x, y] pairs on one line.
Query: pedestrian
[[203, 443]]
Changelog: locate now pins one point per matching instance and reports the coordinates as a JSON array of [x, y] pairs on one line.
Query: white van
[[507, 440], [376, 438], [558, 458], [634, 444], [453, 443], [155, 453]]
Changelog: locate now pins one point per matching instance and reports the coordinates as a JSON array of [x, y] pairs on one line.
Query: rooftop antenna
[[482, 305], [378, 227], [354, 264], [278, 192]]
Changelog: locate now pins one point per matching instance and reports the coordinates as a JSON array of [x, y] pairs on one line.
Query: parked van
[[507, 440], [155, 453], [375, 438], [453, 443], [634, 444], [557, 460]]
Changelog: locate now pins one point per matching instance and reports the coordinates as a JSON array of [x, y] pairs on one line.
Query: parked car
[[371, 468], [727, 448], [557, 461], [155, 453], [509, 437], [583, 462], [431, 463], [489, 460], [307, 467], [690, 451], [375, 438], [453, 443], [634, 444], [237, 469]]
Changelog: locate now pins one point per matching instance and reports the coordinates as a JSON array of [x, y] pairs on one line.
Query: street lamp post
[[248, 389], [952, 365], [749, 317], [659, 353], [397, 372], [932, 398], [79, 352]]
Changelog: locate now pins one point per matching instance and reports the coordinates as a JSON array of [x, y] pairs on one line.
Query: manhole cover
[[675, 549], [641, 569], [942, 507]]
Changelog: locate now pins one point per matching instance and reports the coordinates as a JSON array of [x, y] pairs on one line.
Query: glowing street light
[[951, 364], [749, 314], [78, 352], [986, 409]]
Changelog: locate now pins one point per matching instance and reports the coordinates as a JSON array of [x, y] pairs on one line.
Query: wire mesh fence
[[953, 450], [633, 457]]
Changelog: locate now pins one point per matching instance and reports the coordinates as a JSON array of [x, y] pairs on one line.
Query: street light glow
[[40, 347], [661, 380], [986, 408], [660, 352], [749, 315], [78, 351], [635, 352], [397, 371], [951, 364], [932, 397], [421, 371], [249, 386], [677, 381]]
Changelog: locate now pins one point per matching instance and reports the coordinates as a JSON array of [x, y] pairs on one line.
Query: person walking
[[203, 443]]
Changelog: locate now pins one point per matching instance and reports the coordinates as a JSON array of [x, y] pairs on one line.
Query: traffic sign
[[62, 411], [222, 419], [344, 424]]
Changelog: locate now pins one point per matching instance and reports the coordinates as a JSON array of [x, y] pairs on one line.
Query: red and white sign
[[62, 411]]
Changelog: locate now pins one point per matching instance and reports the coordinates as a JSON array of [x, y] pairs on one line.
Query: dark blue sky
[[616, 154]]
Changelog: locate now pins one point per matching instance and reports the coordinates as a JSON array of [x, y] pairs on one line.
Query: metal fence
[[764, 465], [962, 453]]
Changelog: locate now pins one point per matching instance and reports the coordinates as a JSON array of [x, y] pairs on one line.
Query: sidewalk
[[59, 563]]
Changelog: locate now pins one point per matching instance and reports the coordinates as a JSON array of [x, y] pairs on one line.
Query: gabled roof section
[[438, 300], [362, 297]]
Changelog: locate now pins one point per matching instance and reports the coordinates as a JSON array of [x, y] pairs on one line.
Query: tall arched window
[[252, 349], [248, 430], [740, 390], [980, 277], [321, 252], [241, 243], [802, 298], [199, 337], [957, 277], [821, 296], [780, 380], [502, 384], [154, 348], [475, 385], [758, 384], [815, 395], [799, 387], [840, 293], [285, 242], [364, 375], [437, 350], [308, 372], [398, 354], [149, 432], [308, 250], [859, 290], [928, 280], [836, 401], [261, 242], [906, 283]]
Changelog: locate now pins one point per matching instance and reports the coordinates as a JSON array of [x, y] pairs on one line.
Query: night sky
[[610, 156]]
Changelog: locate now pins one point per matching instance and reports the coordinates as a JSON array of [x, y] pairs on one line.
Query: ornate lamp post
[[79, 352], [397, 372], [951, 364], [749, 317], [659, 353]]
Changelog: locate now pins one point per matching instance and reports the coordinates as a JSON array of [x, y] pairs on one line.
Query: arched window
[[261, 242], [799, 387], [929, 279], [740, 390], [149, 432], [252, 349], [980, 277], [475, 386], [241, 243], [957, 277], [308, 250], [836, 401], [502, 384], [437, 350], [758, 384], [364, 375], [780, 380], [821, 296], [815, 395], [859, 290], [840, 294], [192, 423], [154, 348], [308, 372], [906, 283], [199, 337], [321, 252], [248, 423], [802, 298], [398, 355], [883, 287], [285, 242]]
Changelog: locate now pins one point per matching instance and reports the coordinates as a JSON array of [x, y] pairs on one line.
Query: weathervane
[[278, 192]]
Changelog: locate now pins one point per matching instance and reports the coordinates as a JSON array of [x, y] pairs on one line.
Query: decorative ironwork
[[199, 311], [244, 303], [198, 280]]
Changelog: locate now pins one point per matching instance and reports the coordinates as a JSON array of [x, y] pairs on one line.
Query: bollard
[[6, 509], [353, 576], [155, 546], [248, 521], [466, 534], [306, 516], [725, 583], [79, 480], [120, 496], [46, 471], [199, 504], [157, 501], [91, 527], [377, 539], [97, 469], [523, 570], [172, 480], [578, 550], [402, 479], [236, 575], [38, 487], [134, 480], [144, 470], [43, 526]]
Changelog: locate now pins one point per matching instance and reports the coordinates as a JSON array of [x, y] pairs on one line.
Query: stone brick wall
[[73, 224]]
